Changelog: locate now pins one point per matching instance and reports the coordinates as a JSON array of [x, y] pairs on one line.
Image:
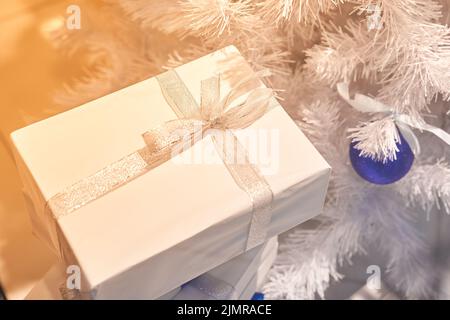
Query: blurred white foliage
[[310, 45]]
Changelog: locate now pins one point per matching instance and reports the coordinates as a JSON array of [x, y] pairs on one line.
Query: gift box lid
[[174, 212]]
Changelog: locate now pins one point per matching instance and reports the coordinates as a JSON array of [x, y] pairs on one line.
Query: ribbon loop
[[253, 108]]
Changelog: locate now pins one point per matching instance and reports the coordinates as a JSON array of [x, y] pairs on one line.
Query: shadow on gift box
[[2, 296]]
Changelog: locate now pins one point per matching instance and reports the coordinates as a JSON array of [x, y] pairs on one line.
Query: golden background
[[32, 70]]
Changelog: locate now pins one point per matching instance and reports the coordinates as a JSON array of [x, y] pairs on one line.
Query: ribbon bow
[[213, 113], [404, 122]]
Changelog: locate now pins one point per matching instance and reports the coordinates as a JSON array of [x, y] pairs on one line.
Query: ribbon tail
[[248, 178], [409, 121], [409, 136]]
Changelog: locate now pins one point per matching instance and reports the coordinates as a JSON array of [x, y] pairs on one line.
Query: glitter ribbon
[[192, 125]]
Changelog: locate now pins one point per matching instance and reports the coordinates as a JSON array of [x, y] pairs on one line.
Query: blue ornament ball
[[381, 173], [258, 296]]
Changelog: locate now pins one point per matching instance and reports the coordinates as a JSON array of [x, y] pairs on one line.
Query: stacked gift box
[[109, 195], [241, 278]]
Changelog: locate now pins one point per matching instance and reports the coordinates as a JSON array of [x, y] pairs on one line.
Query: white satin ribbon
[[404, 122]]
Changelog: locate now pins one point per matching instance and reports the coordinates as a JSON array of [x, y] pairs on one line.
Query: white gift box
[[238, 278], [178, 220]]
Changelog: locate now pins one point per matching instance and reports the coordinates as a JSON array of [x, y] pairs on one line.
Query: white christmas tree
[[395, 51]]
